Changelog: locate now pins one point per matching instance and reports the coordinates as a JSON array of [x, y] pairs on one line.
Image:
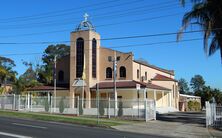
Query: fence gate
[[150, 110], [213, 115]]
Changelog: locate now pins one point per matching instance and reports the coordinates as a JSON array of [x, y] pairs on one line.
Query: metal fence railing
[[125, 109], [213, 115]]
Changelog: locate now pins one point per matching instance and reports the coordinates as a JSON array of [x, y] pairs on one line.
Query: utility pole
[[114, 79], [114, 82], [55, 58], [97, 97]]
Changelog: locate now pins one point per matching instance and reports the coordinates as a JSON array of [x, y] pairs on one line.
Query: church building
[[90, 67]]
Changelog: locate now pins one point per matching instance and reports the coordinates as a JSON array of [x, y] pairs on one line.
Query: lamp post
[[114, 79]]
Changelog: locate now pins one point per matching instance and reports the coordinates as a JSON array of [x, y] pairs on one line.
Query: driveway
[[178, 124]]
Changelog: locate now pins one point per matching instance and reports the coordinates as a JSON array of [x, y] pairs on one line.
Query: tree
[[197, 83], [45, 72], [183, 86], [7, 74], [206, 14], [6, 70], [26, 80]]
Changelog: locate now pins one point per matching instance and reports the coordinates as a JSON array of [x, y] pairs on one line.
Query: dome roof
[[85, 24]]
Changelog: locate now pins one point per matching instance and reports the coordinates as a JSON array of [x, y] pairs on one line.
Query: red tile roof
[[159, 77], [46, 88], [128, 84]]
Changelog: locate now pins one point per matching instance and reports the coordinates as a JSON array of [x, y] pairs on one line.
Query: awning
[[128, 84]]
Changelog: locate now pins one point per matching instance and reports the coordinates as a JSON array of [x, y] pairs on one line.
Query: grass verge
[[60, 118]]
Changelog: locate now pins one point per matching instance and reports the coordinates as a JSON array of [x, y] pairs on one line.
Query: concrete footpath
[[185, 125]]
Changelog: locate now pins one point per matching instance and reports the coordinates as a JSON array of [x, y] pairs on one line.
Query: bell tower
[[84, 55]]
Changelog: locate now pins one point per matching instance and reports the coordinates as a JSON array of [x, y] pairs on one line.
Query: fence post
[[51, 104], [4, 102], [28, 101], [13, 102], [31, 102], [145, 108], [109, 107], [18, 102], [214, 111], [154, 103], [77, 106], [207, 113]]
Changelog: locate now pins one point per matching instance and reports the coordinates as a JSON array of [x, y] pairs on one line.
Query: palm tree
[[207, 14]]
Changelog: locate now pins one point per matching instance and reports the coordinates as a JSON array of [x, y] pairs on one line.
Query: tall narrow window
[[79, 57], [108, 72], [94, 54], [138, 74], [61, 76], [145, 75], [122, 72]]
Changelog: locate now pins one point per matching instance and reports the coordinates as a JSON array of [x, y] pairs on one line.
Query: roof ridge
[[155, 67]]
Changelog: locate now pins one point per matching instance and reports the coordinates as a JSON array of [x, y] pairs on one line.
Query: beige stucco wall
[[7, 88], [151, 72], [62, 93], [174, 90], [63, 64], [125, 60], [88, 37]]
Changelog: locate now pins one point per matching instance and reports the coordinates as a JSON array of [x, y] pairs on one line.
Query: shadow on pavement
[[184, 117]]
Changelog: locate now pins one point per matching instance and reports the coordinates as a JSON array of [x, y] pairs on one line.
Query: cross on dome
[[86, 17], [85, 24]]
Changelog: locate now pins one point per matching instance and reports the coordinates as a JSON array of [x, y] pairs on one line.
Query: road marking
[[13, 135], [26, 125]]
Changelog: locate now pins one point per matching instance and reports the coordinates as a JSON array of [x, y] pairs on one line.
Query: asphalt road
[[22, 128]]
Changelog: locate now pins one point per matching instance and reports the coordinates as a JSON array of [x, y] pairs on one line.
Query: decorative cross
[[86, 16]]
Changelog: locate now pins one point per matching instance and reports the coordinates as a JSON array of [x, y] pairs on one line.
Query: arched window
[[61, 76], [122, 72], [108, 72], [79, 57], [94, 58]]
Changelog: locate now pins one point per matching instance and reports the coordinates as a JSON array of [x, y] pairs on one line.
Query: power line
[[104, 25], [59, 11], [80, 9], [112, 38], [120, 46], [136, 11]]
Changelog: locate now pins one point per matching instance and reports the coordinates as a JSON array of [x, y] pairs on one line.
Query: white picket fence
[[213, 115], [126, 109]]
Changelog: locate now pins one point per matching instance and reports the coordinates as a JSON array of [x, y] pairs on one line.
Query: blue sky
[[32, 21]]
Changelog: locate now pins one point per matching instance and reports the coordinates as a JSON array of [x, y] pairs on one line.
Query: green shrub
[[190, 105], [197, 106], [3, 102], [62, 105], [102, 107], [193, 106], [120, 111], [80, 107], [46, 105]]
